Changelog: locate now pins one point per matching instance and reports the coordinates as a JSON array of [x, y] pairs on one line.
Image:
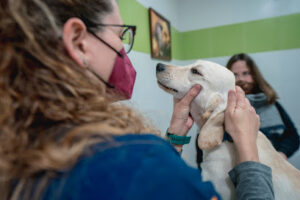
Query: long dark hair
[[260, 84]]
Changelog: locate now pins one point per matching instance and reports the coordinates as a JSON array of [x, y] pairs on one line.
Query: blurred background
[[267, 30]]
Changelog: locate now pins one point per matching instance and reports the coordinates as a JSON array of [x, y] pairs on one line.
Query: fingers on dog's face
[[239, 91], [241, 102], [231, 101], [192, 93]]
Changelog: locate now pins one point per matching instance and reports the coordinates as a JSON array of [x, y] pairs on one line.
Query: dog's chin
[[167, 89]]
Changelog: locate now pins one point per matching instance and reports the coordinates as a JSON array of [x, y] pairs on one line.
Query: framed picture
[[160, 36]]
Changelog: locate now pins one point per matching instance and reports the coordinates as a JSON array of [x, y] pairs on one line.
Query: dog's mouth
[[167, 88]]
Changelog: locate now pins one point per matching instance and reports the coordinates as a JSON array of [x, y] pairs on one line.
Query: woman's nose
[[237, 78]]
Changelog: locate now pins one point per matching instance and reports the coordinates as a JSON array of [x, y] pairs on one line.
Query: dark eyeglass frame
[[128, 27]]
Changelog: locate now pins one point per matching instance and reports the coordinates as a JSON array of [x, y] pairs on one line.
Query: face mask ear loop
[[86, 63], [101, 79]]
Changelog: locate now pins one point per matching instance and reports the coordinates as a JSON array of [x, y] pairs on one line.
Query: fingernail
[[231, 93], [197, 87]]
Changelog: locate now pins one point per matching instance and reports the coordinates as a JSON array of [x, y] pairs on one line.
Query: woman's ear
[[75, 40]]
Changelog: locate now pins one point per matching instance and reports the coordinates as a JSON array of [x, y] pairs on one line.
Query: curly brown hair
[[50, 110]]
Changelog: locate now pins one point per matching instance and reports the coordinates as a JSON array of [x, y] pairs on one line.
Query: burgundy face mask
[[123, 76]]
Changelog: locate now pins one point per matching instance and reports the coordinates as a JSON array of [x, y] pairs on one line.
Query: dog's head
[[208, 107]]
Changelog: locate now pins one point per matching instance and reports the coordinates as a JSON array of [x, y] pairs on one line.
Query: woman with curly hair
[[62, 65]]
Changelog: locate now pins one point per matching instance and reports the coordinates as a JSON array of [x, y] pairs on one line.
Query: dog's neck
[[207, 104], [197, 113]]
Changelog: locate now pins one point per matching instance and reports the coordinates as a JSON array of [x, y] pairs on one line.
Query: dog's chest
[[215, 167]]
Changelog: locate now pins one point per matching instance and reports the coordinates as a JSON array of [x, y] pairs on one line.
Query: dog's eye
[[195, 71]]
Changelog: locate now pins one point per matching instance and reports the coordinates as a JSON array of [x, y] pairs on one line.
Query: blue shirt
[[131, 167]]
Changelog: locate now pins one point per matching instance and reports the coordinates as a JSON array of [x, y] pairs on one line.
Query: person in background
[[275, 123], [62, 67]]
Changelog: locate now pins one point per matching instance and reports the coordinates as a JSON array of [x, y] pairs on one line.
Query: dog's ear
[[212, 132]]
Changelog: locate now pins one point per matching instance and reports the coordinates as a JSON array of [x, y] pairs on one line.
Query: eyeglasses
[[127, 36]]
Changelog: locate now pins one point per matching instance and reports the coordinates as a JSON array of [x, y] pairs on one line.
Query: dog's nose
[[160, 67]]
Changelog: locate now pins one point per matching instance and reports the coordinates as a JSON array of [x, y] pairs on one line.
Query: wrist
[[178, 147], [177, 130], [247, 152], [244, 157], [177, 139]]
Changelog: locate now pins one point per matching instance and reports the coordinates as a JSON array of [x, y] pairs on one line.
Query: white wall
[[280, 68], [167, 8], [219, 12], [188, 15]]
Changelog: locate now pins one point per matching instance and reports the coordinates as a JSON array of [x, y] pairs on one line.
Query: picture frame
[[160, 36]]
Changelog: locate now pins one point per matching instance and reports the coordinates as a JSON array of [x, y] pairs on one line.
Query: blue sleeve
[[164, 175], [289, 141]]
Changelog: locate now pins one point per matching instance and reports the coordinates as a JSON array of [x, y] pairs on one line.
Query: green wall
[[271, 34]]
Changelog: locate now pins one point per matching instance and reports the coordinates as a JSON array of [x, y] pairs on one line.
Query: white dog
[[207, 109]]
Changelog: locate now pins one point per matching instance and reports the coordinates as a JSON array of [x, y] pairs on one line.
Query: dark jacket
[[288, 141]]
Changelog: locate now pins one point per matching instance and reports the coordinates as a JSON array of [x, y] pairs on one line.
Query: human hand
[[181, 121], [242, 123]]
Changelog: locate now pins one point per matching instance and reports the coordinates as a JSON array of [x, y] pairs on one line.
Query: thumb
[[231, 104], [192, 93]]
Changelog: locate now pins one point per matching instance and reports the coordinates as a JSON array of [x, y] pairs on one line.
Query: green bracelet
[[176, 139]]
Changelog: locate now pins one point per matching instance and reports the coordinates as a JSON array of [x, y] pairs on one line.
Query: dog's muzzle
[[160, 67], [166, 88]]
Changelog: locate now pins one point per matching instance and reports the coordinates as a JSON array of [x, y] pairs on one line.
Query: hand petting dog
[[242, 123], [182, 121]]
